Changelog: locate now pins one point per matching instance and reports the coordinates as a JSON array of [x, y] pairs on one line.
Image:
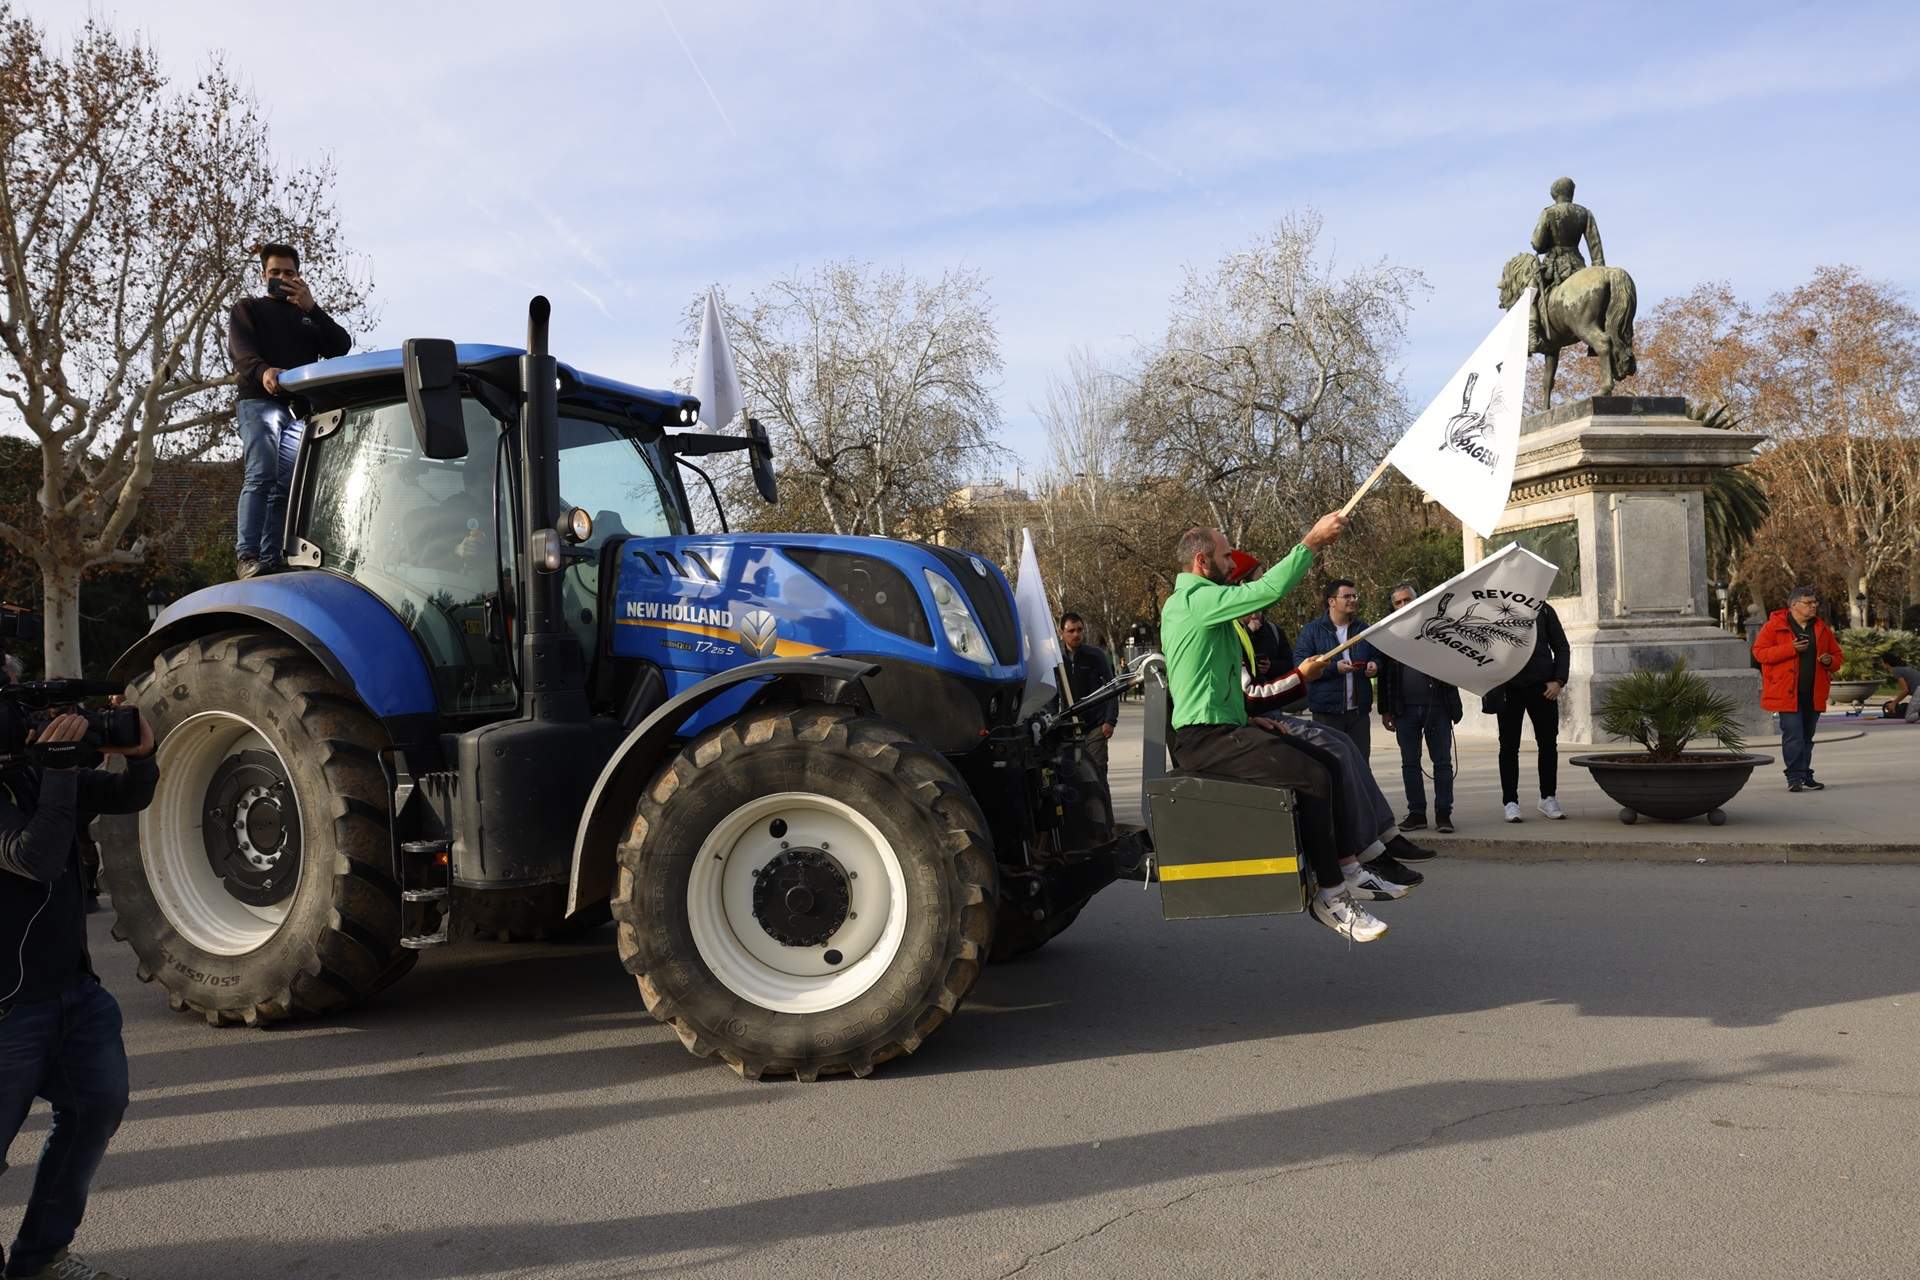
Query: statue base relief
[[1612, 489]]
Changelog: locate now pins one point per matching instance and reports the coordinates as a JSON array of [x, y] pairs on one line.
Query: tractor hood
[[698, 605]]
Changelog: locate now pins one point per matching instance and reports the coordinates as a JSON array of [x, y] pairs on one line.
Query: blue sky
[[620, 157]]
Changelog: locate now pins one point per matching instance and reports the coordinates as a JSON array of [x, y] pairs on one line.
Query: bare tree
[[1275, 388], [127, 209], [877, 387]]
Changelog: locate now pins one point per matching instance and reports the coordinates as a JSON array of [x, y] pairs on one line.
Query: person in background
[[1088, 669], [266, 336], [1907, 680], [1342, 698], [1416, 708], [1798, 654], [1533, 694]]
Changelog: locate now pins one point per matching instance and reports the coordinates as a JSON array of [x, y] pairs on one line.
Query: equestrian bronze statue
[[1573, 302]]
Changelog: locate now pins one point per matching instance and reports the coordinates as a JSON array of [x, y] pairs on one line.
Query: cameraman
[[59, 1028], [266, 337]]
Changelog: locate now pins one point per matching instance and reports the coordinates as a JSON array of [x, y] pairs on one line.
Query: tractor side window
[[419, 533], [606, 471]]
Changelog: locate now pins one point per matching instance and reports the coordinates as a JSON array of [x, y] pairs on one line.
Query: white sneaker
[[1512, 812], [1346, 917], [1367, 886], [1551, 807]]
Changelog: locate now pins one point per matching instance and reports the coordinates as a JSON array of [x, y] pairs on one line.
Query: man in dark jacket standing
[[59, 1028], [267, 336], [1798, 655], [1342, 698], [1417, 708], [1088, 669], [1533, 695]]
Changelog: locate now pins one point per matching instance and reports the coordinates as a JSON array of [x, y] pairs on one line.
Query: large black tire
[[340, 939], [826, 755]]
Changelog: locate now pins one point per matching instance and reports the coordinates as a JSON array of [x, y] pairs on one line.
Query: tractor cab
[[440, 527]]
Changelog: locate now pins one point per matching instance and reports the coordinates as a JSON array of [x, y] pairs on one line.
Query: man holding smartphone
[[267, 336], [59, 1027]]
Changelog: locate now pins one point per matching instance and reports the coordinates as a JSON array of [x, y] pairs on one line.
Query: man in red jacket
[[1798, 655]]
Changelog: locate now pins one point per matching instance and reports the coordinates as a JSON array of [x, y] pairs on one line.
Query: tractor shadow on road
[[1722, 946], [1232, 1151]]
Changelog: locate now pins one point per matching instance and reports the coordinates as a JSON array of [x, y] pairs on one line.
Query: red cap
[[1241, 566]]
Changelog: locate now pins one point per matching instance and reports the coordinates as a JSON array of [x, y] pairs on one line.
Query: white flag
[[1039, 643], [1461, 449], [715, 384], [1476, 631]]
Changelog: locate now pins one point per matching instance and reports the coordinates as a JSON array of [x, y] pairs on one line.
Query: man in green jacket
[[1212, 732]]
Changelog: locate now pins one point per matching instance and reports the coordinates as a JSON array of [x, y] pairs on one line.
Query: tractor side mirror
[[762, 461], [433, 397]]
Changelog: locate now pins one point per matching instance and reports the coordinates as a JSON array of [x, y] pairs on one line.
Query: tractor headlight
[[577, 525], [957, 620]]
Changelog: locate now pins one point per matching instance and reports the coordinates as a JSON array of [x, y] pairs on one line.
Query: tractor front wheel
[[805, 891]]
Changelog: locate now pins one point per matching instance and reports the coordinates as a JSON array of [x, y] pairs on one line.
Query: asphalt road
[[1568, 1069]]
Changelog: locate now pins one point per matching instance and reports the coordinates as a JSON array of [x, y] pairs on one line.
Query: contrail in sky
[[1067, 109], [694, 63]]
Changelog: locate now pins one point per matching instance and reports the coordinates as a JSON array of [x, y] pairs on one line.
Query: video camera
[[29, 705]]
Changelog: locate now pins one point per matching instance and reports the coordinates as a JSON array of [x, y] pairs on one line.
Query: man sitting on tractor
[[1212, 731]]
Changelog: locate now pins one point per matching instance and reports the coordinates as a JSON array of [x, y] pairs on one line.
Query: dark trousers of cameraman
[[68, 1051]]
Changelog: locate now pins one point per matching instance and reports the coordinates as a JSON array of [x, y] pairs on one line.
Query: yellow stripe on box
[[1238, 867]]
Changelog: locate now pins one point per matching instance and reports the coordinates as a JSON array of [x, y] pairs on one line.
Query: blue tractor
[[505, 686]]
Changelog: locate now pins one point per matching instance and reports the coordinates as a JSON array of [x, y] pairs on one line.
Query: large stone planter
[[1697, 783], [1850, 693]]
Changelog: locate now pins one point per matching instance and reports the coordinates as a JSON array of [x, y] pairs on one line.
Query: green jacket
[[1203, 653]]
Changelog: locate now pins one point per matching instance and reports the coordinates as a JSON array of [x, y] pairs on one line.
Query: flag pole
[[1362, 491]]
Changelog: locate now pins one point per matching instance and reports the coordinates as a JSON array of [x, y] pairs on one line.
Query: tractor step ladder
[[422, 864], [435, 853]]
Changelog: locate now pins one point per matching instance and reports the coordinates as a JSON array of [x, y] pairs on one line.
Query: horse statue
[[1595, 305]]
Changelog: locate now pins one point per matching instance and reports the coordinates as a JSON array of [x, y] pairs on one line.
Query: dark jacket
[[1088, 668], [1402, 686], [1270, 643], [43, 911], [1549, 662], [1329, 692], [268, 333]]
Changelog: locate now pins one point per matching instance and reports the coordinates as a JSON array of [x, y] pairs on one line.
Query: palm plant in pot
[[1664, 711]]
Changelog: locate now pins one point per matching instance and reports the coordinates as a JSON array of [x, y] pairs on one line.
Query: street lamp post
[[1720, 593], [156, 602]]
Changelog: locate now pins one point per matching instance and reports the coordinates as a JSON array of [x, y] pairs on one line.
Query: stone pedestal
[[1612, 490]]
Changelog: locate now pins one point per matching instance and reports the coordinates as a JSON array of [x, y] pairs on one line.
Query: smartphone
[[276, 288]]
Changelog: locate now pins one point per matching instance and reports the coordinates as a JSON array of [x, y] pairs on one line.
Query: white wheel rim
[[173, 849], [750, 962]]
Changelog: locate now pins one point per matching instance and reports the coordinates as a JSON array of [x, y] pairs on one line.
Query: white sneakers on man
[[1346, 917], [1551, 807], [1370, 886], [1512, 811]]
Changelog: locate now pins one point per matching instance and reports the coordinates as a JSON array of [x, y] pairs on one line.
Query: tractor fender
[[617, 792], [349, 631]]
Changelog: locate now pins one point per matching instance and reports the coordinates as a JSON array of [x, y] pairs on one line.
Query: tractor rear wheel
[[805, 891], [259, 885]]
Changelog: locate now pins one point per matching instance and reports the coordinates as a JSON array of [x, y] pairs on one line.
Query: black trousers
[[1248, 753], [1529, 703]]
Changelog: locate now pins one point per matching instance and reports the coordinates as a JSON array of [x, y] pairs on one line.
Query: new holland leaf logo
[[759, 634], [1474, 635]]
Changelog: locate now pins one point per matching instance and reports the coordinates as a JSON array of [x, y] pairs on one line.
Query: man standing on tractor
[[1212, 731], [267, 336]]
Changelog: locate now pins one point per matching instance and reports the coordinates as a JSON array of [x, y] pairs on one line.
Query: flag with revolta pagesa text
[[1475, 631]]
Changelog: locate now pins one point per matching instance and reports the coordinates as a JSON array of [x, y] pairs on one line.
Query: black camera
[[29, 705]]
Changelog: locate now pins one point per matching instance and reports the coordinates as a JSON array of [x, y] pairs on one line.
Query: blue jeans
[[1431, 725], [68, 1051], [1796, 743], [269, 441]]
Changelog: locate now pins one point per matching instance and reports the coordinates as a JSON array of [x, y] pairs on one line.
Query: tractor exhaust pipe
[[553, 678]]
